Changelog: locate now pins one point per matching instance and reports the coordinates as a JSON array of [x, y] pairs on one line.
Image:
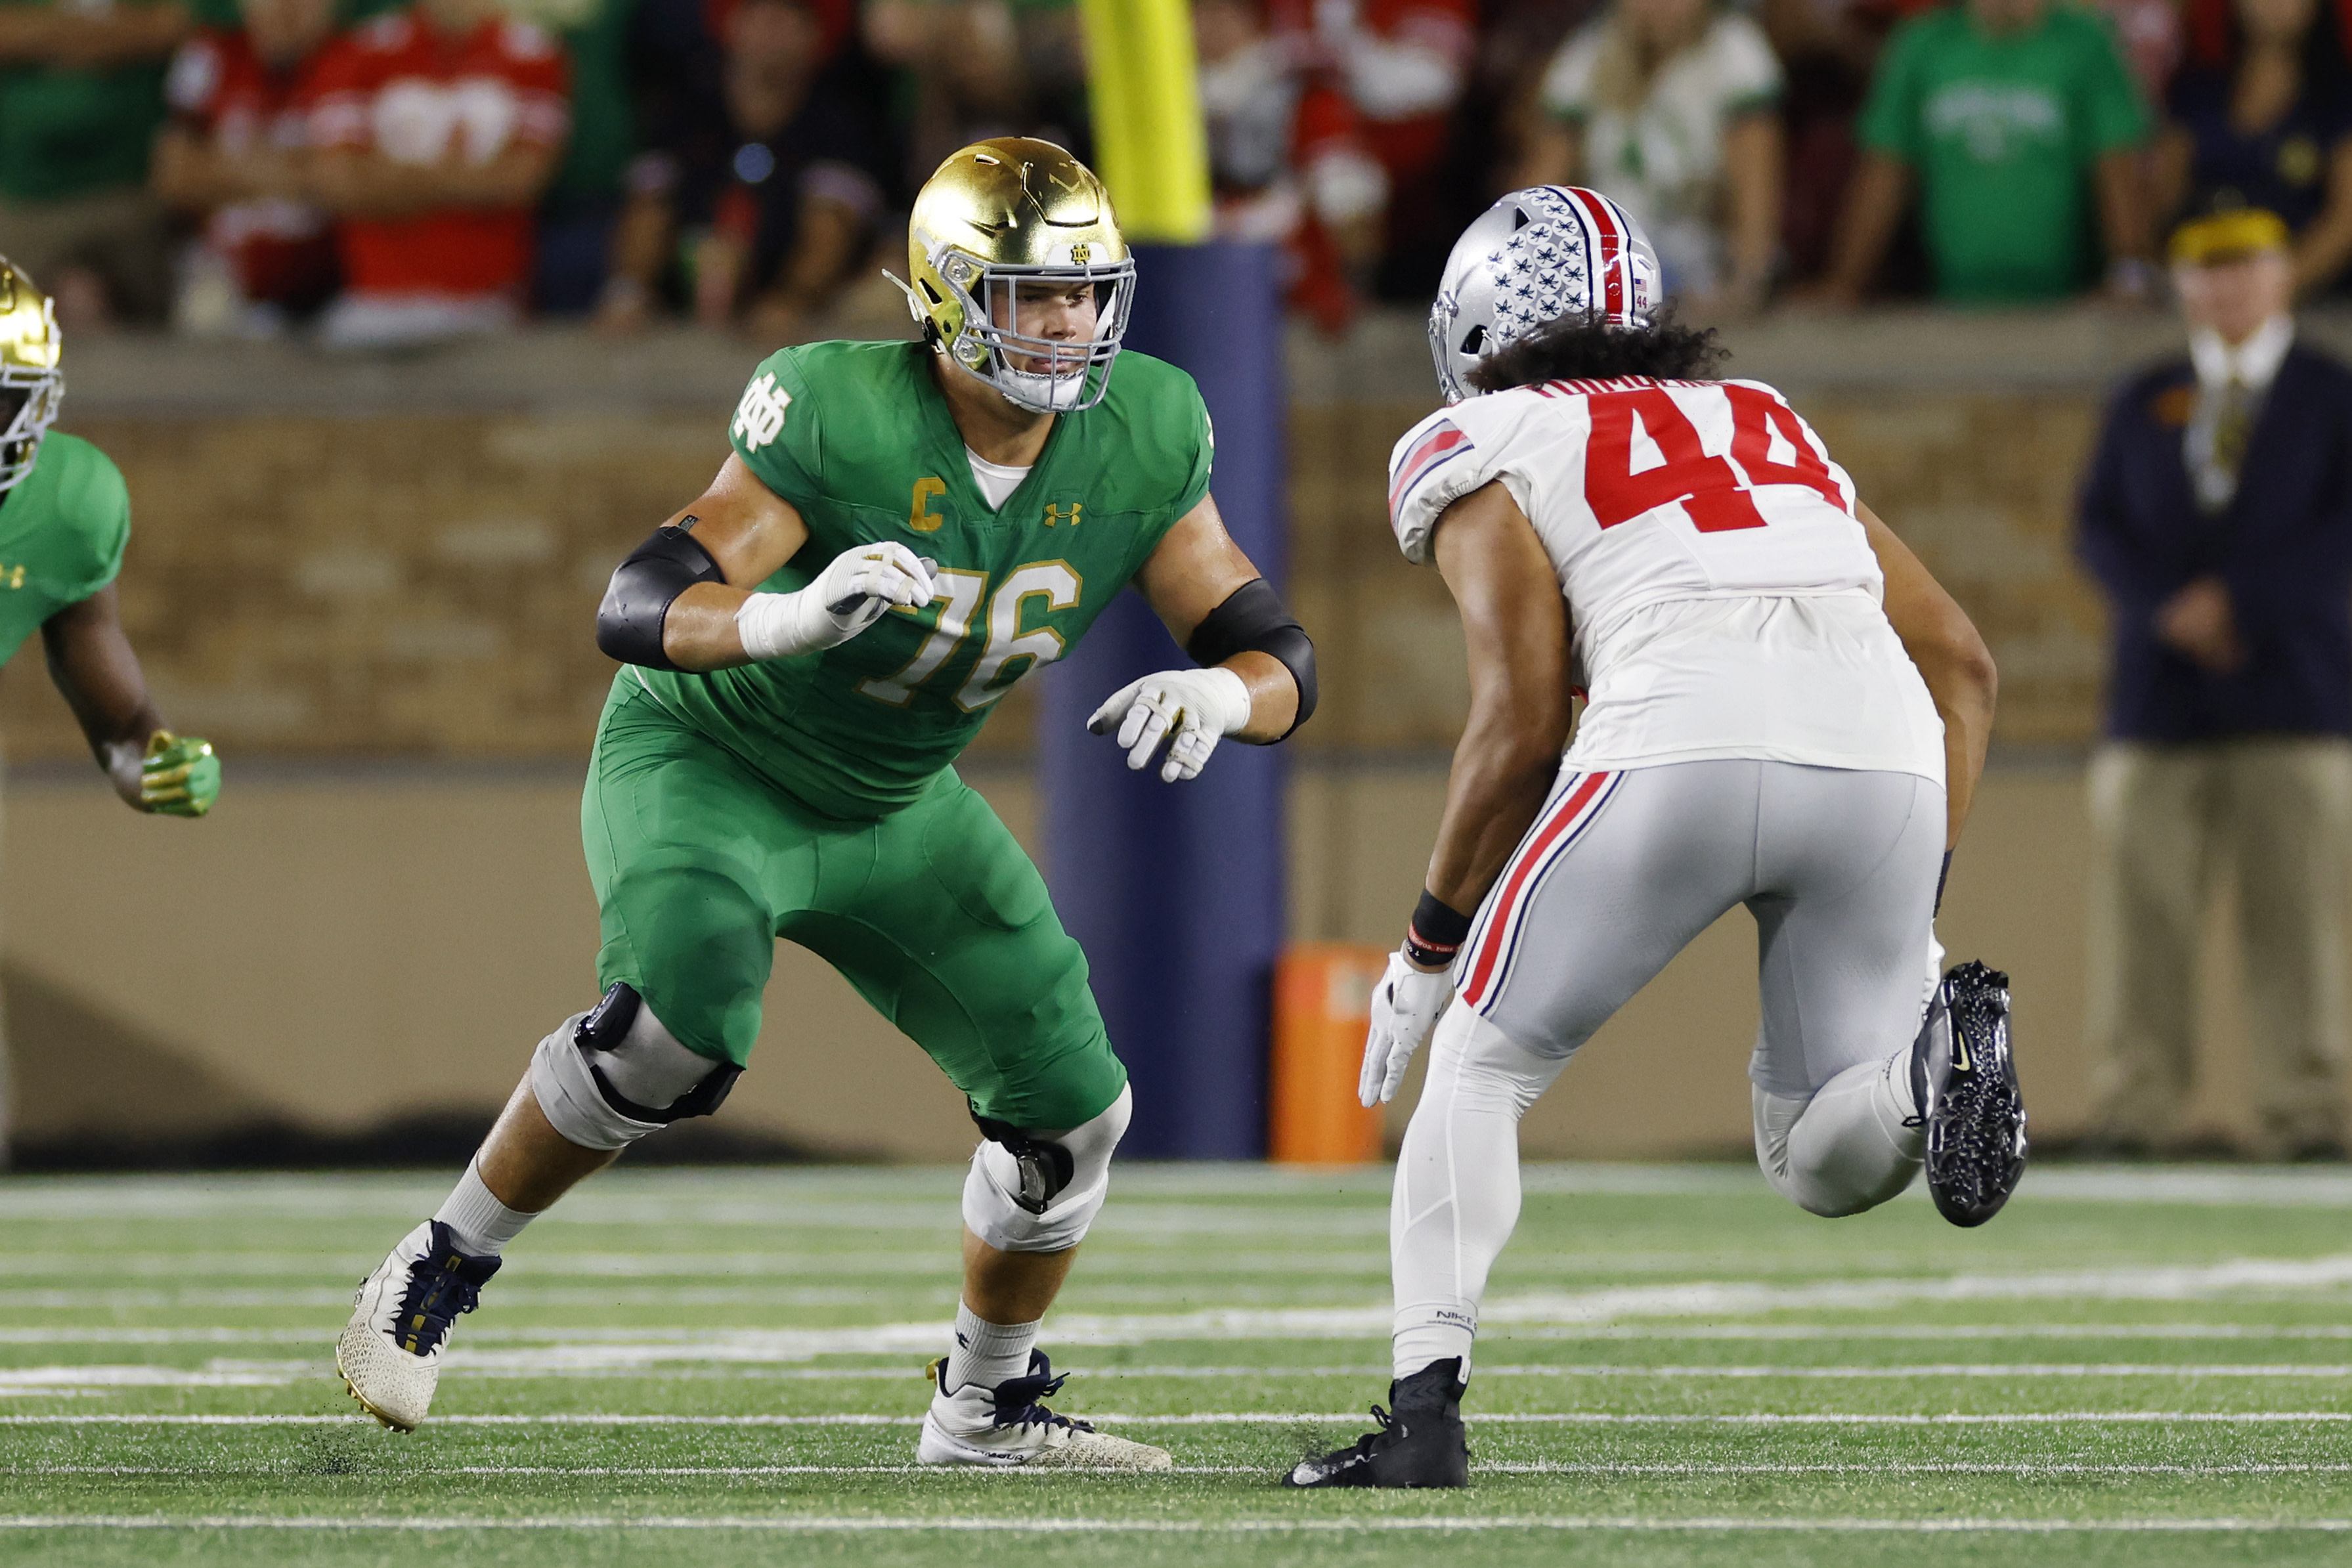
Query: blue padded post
[[1176, 891]]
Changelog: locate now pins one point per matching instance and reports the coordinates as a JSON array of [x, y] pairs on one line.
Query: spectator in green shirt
[[81, 93], [2004, 115]]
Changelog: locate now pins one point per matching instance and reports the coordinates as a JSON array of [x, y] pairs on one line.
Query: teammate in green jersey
[[902, 532], [65, 517]]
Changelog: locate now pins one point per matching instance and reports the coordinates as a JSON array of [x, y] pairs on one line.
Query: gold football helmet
[[32, 388], [1017, 226]]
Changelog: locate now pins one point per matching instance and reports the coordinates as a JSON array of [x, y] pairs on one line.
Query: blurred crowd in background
[[383, 174]]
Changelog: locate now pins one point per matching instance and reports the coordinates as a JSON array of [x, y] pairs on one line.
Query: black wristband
[[1939, 881], [1436, 933]]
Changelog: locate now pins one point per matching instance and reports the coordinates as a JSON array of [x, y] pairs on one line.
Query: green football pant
[[933, 912]]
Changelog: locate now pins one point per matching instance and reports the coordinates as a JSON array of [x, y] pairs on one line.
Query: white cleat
[[1007, 1425], [390, 1352]]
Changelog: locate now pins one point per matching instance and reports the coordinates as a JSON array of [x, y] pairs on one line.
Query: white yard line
[[1717, 1298], [939, 1262], [1532, 1468], [562, 1363], [1262, 1418], [35, 1379], [838, 1197], [1704, 1297], [325, 1332], [2234, 1280], [803, 1524]]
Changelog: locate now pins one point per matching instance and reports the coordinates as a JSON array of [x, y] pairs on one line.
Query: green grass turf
[[2144, 1366]]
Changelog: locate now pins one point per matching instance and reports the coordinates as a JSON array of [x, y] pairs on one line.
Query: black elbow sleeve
[[1254, 620], [629, 621]]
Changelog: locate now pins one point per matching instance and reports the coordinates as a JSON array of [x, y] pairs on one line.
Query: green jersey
[[62, 532], [859, 438]]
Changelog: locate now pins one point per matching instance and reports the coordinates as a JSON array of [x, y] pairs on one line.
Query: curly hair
[[1585, 348]]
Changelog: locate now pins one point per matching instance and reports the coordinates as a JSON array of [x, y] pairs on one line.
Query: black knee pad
[[1046, 1166], [607, 1026]]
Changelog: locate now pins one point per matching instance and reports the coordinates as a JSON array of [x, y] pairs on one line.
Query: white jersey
[[1724, 597]]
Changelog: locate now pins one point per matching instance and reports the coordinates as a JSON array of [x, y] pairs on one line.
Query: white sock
[[1457, 1185], [480, 1225], [987, 1353]]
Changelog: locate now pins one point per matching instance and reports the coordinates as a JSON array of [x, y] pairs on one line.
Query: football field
[[723, 1366]]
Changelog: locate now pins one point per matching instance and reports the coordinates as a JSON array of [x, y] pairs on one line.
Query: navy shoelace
[[1019, 1400], [439, 1292]]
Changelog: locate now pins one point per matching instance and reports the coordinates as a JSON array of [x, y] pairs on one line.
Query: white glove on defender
[[849, 596], [1406, 1005], [1200, 706]]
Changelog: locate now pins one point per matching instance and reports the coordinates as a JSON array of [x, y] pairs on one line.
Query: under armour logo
[[1063, 511], [759, 417], [961, 1342]]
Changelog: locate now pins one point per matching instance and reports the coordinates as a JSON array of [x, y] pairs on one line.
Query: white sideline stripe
[[556, 1366], [25, 1379], [1695, 1299], [817, 1197], [26, 1382], [325, 1332], [1710, 1298], [878, 1524], [1267, 1418], [1528, 1467]]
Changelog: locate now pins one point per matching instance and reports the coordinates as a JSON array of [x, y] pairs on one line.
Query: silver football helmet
[[1533, 257]]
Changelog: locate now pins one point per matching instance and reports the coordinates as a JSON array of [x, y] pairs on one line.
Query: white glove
[[1200, 706], [849, 596], [1406, 1005]]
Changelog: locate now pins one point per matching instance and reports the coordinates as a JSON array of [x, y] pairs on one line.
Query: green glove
[[178, 777]]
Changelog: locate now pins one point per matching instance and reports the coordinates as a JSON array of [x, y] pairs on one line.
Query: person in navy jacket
[[2218, 516]]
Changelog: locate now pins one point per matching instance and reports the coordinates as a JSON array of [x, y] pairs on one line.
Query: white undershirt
[[996, 481]]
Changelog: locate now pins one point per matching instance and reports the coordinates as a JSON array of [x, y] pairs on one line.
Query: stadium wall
[[369, 583]]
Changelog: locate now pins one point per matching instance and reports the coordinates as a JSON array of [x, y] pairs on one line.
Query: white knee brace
[[1004, 1204], [606, 1078]]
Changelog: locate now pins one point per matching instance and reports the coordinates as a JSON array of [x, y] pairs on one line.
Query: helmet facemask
[[30, 399], [1004, 336], [1002, 237]]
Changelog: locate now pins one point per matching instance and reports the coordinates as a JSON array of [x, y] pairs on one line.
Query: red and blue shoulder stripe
[[1442, 444]]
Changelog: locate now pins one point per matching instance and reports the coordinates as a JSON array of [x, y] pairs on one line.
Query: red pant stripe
[[1514, 885]]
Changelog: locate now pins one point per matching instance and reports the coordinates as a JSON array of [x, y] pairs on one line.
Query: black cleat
[[1421, 1445], [1965, 1080]]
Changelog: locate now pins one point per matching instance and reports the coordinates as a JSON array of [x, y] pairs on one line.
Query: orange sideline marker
[[1322, 1005]]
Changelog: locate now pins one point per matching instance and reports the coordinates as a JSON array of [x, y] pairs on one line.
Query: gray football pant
[[1618, 874]]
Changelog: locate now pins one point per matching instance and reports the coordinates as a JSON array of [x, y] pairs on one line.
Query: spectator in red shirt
[[1286, 160], [236, 153], [1403, 65], [436, 129]]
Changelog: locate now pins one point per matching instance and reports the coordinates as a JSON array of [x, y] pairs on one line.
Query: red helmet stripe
[[1610, 262]]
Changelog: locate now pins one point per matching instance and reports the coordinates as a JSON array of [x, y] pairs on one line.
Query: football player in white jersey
[[1782, 709]]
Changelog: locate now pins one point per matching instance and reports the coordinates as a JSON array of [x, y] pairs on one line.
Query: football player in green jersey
[[902, 532], [65, 518]]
